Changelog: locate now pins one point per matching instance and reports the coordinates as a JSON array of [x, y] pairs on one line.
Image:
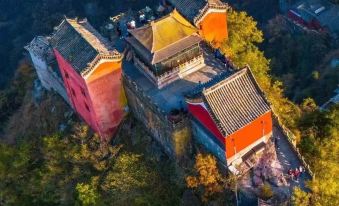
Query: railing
[[292, 141], [190, 64]]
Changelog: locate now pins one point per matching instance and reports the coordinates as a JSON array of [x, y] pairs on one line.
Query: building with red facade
[[231, 116], [91, 72], [209, 16], [174, 84], [318, 15]]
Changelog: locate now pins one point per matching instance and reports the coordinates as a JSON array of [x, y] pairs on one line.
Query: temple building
[[169, 58], [318, 15], [46, 67], [231, 117], [208, 16], [91, 72], [167, 49]]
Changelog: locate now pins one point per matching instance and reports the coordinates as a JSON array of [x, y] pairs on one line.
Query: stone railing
[[161, 80], [292, 141], [167, 78], [141, 94], [184, 69]]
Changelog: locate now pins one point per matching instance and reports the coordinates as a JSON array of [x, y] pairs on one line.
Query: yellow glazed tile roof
[[163, 32]]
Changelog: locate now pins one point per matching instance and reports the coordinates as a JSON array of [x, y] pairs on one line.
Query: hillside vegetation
[[43, 164]]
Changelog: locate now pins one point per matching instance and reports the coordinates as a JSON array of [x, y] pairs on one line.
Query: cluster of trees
[[305, 70], [76, 169], [241, 47], [320, 144], [335, 1], [209, 183]]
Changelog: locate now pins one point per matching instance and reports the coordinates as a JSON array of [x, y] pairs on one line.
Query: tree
[[243, 33], [325, 186], [320, 145], [87, 194], [128, 173], [207, 179]]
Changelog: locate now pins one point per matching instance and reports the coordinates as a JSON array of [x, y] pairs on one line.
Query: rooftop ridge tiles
[[156, 42]]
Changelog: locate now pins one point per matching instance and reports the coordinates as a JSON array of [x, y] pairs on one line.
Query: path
[[288, 158]]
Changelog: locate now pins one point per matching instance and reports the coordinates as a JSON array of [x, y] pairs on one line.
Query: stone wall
[[48, 78], [206, 139], [175, 138]]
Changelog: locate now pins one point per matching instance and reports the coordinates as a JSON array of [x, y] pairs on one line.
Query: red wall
[[242, 138], [101, 91], [213, 28], [201, 114], [76, 83], [108, 97], [249, 134]]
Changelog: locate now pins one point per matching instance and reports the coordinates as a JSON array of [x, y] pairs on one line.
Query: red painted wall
[[242, 138], [108, 97], [77, 91], [213, 28], [202, 115], [99, 99], [249, 134]]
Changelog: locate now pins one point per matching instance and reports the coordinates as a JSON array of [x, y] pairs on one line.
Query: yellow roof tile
[[164, 32]]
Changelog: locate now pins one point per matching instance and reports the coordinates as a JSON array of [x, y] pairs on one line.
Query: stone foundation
[[174, 137]]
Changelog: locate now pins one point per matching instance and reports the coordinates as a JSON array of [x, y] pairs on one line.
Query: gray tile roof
[[235, 101], [192, 8], [79, 43], [188, 8], [324, 11]]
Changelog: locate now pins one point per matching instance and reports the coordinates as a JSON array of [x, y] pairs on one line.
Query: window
[[73, 92], [86, 106], [66, 75], [83, 92]]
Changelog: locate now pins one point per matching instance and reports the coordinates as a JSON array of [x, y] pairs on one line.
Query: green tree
[[87, 194], [325, 186]]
